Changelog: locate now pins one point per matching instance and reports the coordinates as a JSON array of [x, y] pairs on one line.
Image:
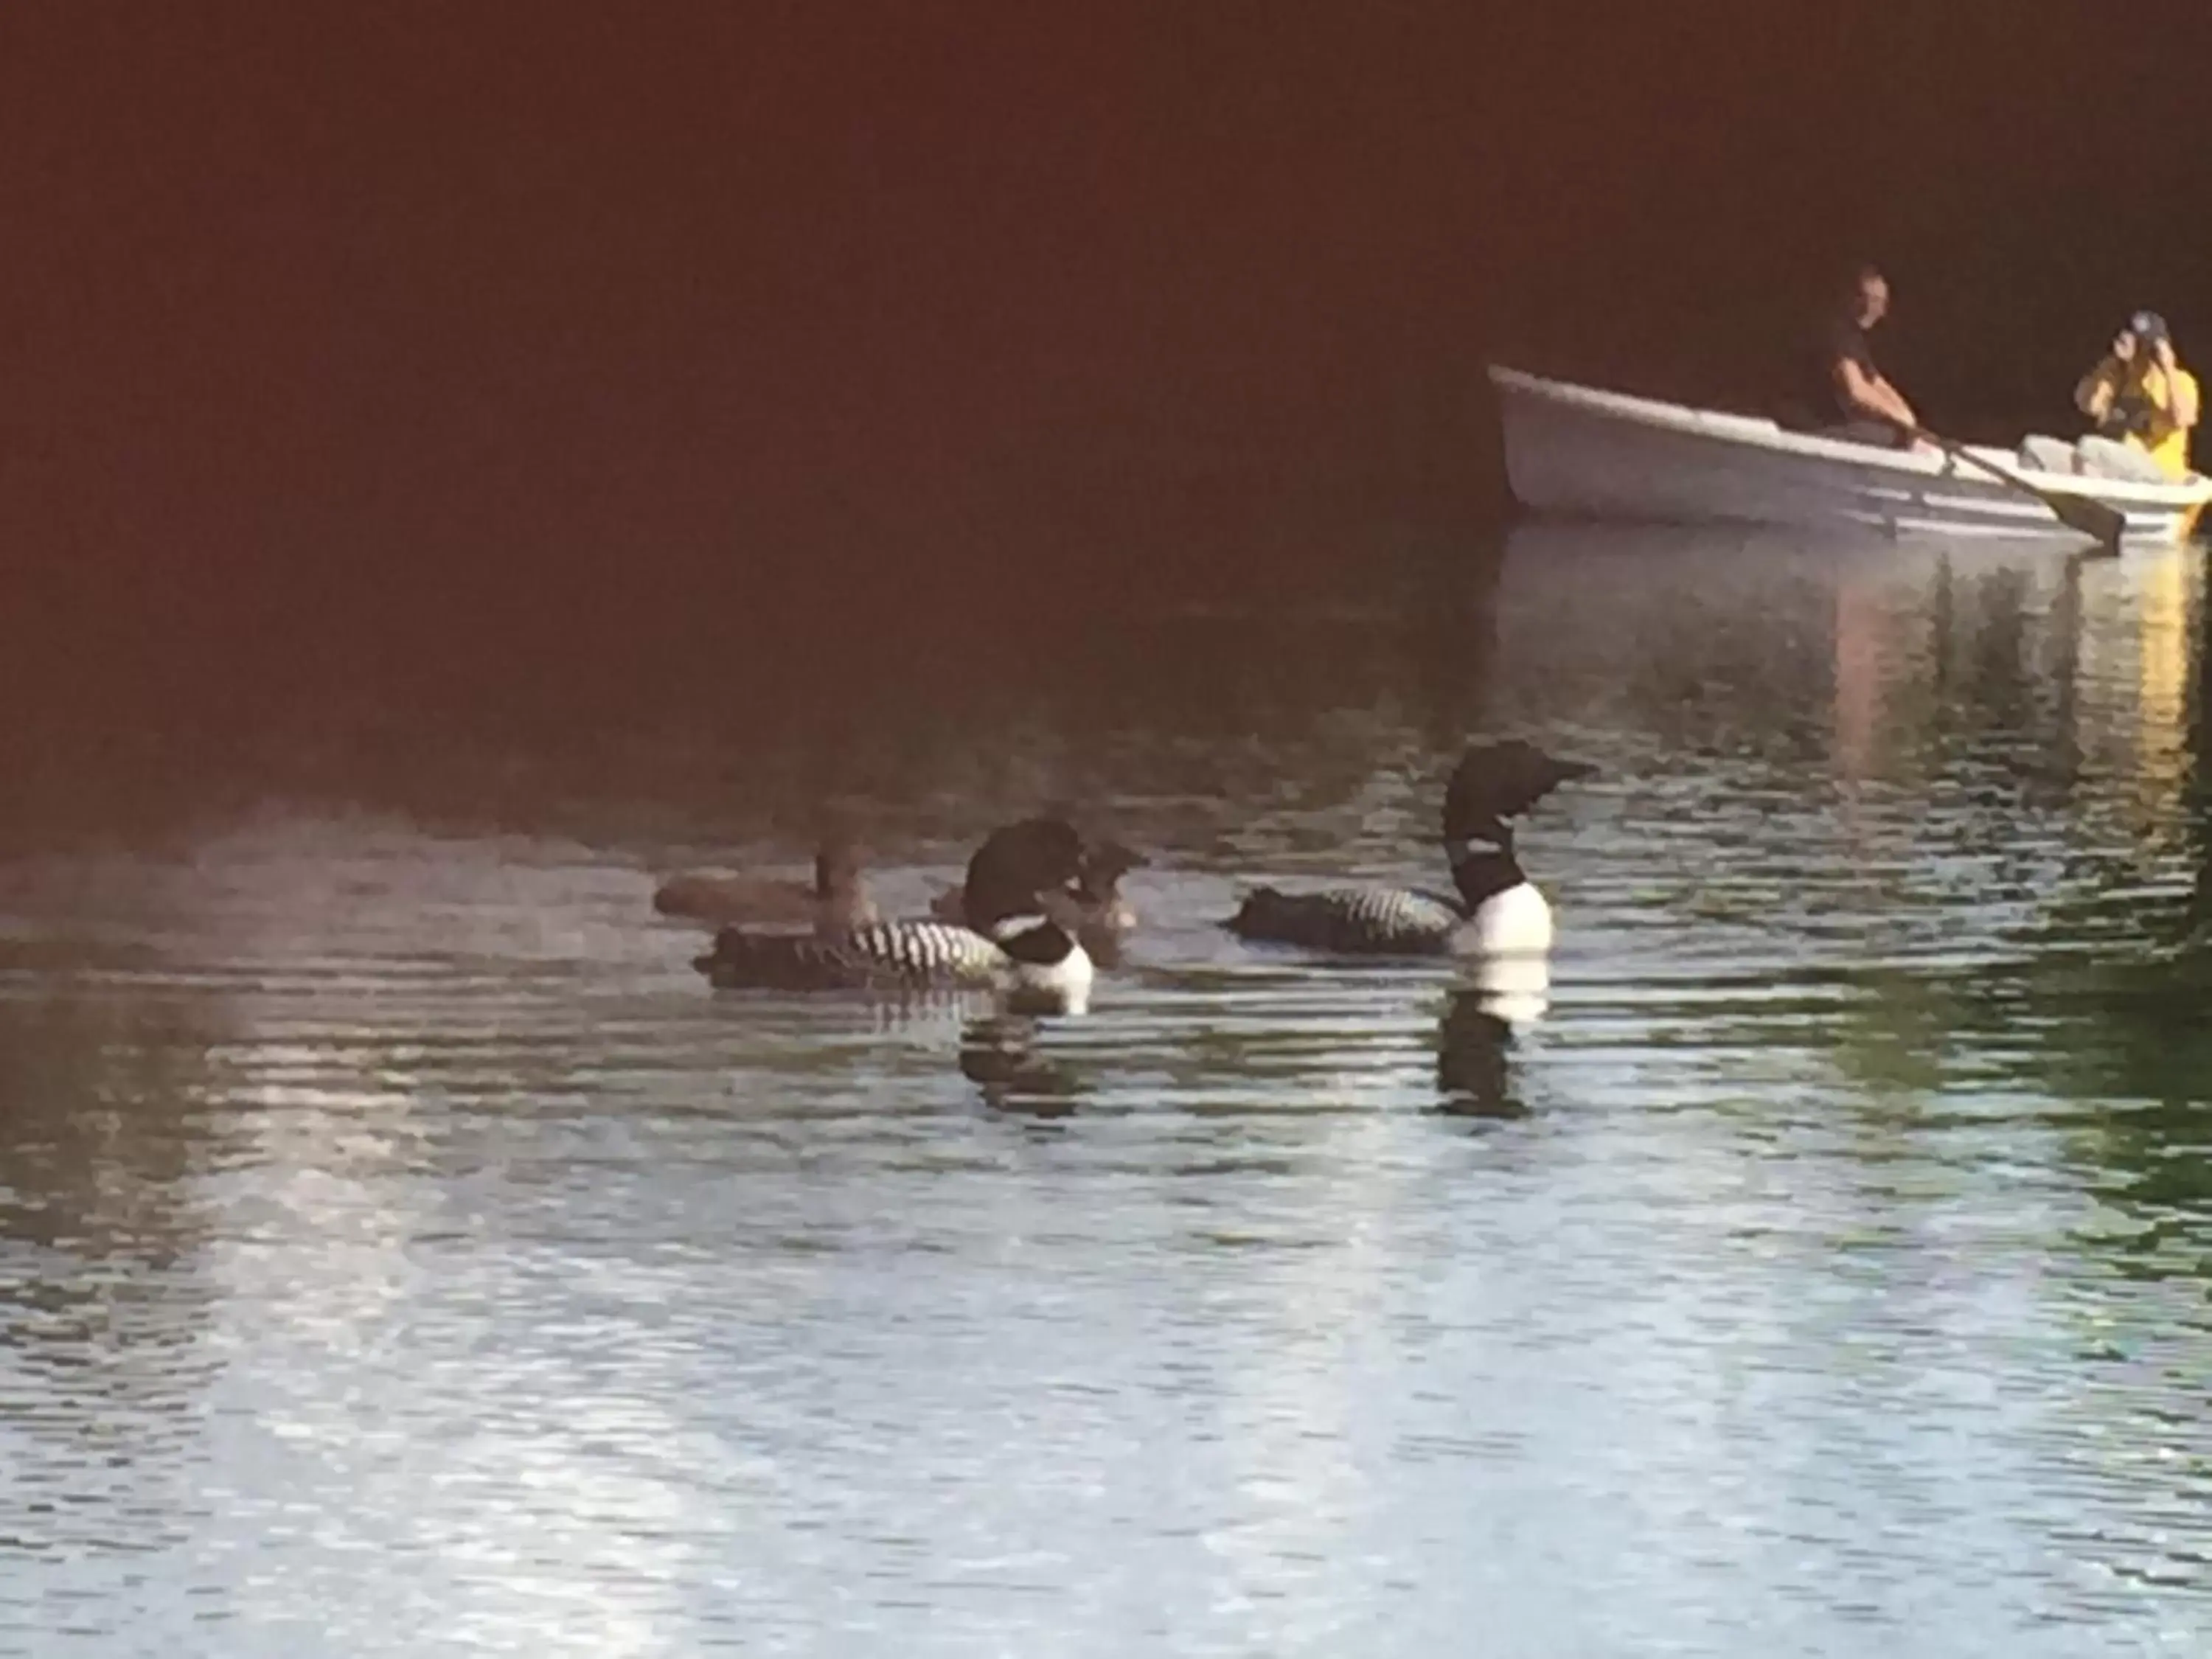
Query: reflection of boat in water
[[1578, 450], [2162, 759], [2128, 688]]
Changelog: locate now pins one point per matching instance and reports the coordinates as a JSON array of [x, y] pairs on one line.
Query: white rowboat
[[1576, 451]]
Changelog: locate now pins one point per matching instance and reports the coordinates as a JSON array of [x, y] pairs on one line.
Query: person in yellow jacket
[[2144, 404]]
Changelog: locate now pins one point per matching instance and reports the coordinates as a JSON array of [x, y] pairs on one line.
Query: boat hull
[[1576, 451]]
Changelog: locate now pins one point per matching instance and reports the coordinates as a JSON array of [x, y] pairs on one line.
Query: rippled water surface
[[402, 1251]]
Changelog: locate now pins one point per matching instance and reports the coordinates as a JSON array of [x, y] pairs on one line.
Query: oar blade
[[2101, 524]]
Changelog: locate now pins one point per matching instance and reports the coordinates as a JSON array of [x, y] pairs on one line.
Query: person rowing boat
[[1846, 395]]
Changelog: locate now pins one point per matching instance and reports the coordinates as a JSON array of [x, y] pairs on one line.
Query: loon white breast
[[1047, 966], [1516, 921], [1496, 910]]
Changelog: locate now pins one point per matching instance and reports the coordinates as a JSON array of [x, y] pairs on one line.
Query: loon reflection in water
[[1474, 1074], [997, 1053]]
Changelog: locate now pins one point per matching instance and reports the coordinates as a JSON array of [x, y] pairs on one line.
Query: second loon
[[1496, 911], [1018, 877], [1098, 914]]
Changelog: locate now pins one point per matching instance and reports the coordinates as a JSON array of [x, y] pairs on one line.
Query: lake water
[[403, 1252]]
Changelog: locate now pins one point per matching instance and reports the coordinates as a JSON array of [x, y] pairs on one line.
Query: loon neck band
[[1460, 849], [1011, 927]]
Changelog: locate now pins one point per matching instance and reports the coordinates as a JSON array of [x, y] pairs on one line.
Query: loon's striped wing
[[890, 953], [1371, 920]]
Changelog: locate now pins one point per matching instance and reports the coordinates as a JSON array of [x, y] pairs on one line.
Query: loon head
[[841, 895], [1493, 784], [1099, 885], [837, 860], [1020, 876]]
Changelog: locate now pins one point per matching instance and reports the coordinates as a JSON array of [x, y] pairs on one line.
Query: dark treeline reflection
[[1778, 675], [755, 709]]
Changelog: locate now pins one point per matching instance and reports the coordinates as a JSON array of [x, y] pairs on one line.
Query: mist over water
[[401, 1247]]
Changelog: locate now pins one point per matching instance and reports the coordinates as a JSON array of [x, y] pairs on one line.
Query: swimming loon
[[1498, 910], [1100, 917], [1014, 880], [836, 903]]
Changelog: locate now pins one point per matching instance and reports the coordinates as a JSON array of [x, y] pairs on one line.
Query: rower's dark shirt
[[1841, 339]]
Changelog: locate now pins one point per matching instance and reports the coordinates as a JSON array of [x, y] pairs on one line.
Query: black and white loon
[[1498, 910], [1102, 917], [1018, 878]]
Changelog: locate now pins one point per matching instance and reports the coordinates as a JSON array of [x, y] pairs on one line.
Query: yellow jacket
[[2165, 439]]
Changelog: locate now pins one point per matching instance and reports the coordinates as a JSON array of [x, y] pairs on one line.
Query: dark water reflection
[[401, 1252]]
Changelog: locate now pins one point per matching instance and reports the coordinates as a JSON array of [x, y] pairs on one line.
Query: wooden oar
[[2099, 523]]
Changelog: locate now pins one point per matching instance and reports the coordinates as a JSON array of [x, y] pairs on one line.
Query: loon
[[836, 903], [1498, 910], [1018, 878], [1100, 918]]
